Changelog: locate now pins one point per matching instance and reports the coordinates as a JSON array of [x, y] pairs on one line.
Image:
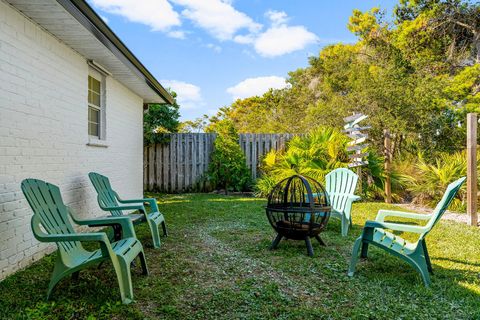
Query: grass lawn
[[216, 264]]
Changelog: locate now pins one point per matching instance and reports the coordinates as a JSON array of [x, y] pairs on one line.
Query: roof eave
[[86, 16]]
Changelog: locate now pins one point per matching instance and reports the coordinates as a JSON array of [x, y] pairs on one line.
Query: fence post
[[388, 166], [472, 168]]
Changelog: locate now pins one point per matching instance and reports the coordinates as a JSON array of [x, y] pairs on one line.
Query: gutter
[[84, 14]]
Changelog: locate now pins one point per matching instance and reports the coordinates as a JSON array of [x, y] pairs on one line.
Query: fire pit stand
[[298, 208]]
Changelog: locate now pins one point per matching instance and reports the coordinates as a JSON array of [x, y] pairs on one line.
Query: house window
[[96, 106]]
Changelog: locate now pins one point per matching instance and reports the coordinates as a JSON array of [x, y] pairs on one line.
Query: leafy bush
[[428, 181], [228, 169]]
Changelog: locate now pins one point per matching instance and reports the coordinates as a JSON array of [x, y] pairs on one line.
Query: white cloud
[[105, 19], [283, 39], [217, 17], [157, 14], [276, 17], [188, 95], [256, 86], [244, 39], [280, 38], [214, 47], [179, 34]]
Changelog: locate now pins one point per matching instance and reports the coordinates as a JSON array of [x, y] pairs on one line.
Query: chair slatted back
[[106, 195], [444, 203], [340, 183], [50, 211]]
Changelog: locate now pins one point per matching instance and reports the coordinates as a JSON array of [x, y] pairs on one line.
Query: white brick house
[[71, 102]]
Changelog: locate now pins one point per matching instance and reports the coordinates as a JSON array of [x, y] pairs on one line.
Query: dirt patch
[[449, 215]]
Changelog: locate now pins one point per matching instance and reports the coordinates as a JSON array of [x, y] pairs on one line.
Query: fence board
[[181, 164]]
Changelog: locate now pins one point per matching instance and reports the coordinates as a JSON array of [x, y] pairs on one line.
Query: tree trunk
[[476, 41]]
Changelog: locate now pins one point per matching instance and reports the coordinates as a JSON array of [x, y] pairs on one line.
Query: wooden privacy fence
[[181, 164]]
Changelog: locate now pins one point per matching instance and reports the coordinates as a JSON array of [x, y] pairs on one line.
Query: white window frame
[[102, 136]]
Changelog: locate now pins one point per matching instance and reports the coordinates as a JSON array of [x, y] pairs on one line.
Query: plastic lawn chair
[[416, 254], [110, 201], [51, 223]]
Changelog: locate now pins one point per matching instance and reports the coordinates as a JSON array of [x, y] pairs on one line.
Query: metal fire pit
[[298, 208]]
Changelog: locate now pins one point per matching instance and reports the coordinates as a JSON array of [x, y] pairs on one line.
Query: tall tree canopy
[[416, 75]]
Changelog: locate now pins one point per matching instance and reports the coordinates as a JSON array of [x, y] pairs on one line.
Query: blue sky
[[213, 51]]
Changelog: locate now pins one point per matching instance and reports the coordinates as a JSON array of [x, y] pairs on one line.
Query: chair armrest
[[125, 222], [133, 207], [382, 214], [92, 236], [354, 197], [395, 226], [152, 202], [131, 200]]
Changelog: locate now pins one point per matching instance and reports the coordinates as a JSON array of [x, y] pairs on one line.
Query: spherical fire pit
[[298, 208]]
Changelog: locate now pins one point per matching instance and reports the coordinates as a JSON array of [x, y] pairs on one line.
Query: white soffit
[[54, 18]]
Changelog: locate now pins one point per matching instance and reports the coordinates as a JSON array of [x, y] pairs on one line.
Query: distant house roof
[[75, 23]]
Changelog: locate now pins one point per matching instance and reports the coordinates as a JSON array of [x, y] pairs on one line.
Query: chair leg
[[427, 256], [418, 262], [143, 262], [155, 234], [275, 242], [364, 250], [322, 243], [164, 227], [57, 275], [354, 259], [124, 278], [345, 225], [309, 246]]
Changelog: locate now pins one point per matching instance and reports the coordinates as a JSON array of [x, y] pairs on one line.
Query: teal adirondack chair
[[110, 201], [340, 186], [415, 254], [51, 223]]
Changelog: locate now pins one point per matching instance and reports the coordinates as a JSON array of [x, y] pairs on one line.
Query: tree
[[456, 21], [194, 126], [160, 119], [227, 168]]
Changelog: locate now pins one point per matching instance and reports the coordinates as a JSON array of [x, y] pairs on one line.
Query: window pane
[[93, 115], [93, 129], [93, 121], [96, 85], [95, 99]]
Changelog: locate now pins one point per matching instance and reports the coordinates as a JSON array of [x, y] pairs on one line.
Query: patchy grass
[[216, 264]]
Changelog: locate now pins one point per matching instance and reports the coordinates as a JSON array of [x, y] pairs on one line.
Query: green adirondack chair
[[51, 223], [340, 185], [415, 254], [110, 201]]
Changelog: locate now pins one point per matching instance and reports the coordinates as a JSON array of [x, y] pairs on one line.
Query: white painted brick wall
[[43, 133]]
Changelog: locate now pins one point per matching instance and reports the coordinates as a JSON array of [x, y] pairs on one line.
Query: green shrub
[[227, 169], [312, 155], [428, 181]]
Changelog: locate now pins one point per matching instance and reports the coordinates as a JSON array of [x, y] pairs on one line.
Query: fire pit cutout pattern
[[298, 208]]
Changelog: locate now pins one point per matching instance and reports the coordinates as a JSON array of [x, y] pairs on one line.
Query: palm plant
[[314, 155], [429, 180]]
